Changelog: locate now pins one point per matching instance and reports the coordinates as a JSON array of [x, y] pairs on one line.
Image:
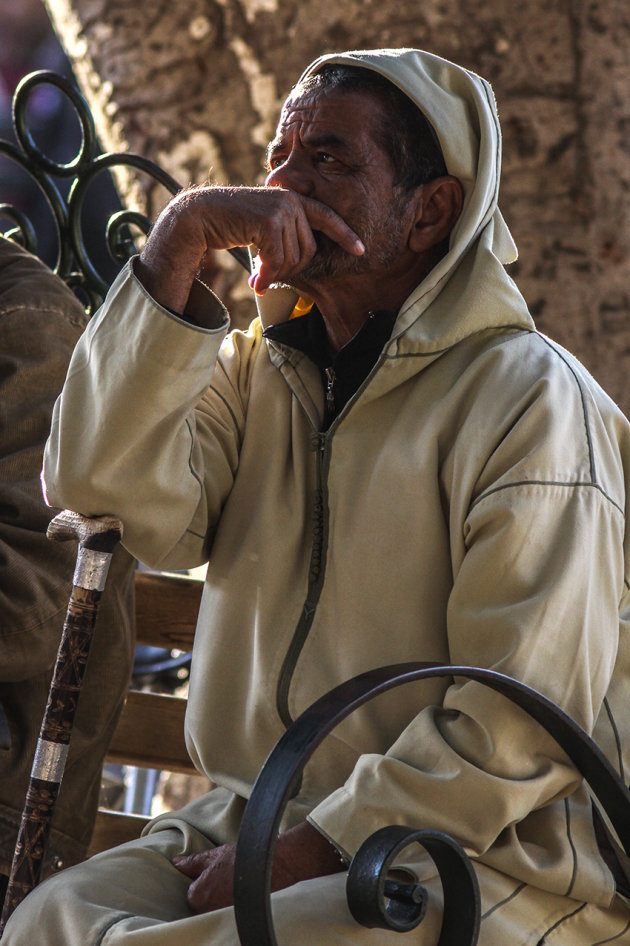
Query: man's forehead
[[324, 107], [316, 97]]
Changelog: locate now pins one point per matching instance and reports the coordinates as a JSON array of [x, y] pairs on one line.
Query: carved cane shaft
[[97, 540]]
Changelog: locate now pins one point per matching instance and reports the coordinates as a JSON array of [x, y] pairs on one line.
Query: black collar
[[344, 371]]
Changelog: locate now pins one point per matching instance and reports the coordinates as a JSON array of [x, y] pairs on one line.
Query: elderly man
[[390, 465]]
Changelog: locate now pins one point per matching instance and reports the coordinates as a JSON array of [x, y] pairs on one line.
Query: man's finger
[[271, 258], [291, 247], [306, 240], [269, 268], [193, 865], [321, 217]]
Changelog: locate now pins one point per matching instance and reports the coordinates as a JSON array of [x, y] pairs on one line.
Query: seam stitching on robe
[[587, 427], [105, 931], [190, 464], [567, 809], [516, 331], [616, 735], [502, 903], [567, 916], [193, 473], [573, 485], [197, 535]]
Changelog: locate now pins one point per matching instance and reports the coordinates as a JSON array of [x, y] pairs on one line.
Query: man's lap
[[134, 896]]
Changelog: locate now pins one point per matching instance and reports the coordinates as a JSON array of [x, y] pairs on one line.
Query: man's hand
[[278, 221], [300, 854]]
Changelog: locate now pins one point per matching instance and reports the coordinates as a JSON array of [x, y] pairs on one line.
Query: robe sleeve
[[149, 424]]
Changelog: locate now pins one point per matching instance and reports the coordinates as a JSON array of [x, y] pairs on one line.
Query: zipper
[[331, 377], [317, 568]]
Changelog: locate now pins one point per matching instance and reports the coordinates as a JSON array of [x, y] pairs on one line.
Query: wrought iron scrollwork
[[280, 777], [376, 901], [74, 264]]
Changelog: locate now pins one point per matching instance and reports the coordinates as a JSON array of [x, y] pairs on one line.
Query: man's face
[[326, 148]]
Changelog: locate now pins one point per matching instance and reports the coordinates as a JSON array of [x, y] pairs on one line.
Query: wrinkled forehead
[[322, 105], [300, 99]]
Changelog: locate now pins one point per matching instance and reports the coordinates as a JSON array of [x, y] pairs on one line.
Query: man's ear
[[438, 206]]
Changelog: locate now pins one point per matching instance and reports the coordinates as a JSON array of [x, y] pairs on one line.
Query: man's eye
[[274, 162], [324, 157]]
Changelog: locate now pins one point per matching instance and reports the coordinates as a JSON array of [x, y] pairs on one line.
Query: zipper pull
[[318, 442], [331, 377]]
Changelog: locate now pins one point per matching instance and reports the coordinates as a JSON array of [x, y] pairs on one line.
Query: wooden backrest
[[150, 732]]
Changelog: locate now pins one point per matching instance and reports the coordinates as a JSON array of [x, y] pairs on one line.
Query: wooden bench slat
[[150, 733], [115, 827], [166, 609]]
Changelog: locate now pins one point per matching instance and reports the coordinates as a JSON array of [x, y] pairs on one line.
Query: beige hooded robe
[[467, 506]]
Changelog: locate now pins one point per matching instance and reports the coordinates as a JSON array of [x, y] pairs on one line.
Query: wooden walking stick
[[97, 539]]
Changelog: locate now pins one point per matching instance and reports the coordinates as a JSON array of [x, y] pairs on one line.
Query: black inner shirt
[[344, 371]]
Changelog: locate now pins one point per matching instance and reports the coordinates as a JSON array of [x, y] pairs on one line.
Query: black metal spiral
[[74, 264], [281, 774], [377, 902]]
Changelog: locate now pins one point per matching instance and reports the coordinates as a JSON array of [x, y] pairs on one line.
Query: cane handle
[[101, 533]]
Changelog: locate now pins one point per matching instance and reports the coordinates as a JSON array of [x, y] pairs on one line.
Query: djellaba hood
[[469, 289]]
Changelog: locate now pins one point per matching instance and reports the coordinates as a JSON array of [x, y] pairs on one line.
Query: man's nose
[[294, 174]]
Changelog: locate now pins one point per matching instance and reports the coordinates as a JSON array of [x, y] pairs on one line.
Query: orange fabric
[[302, 306]]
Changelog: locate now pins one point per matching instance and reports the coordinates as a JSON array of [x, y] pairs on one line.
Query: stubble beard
[[383, 237]]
